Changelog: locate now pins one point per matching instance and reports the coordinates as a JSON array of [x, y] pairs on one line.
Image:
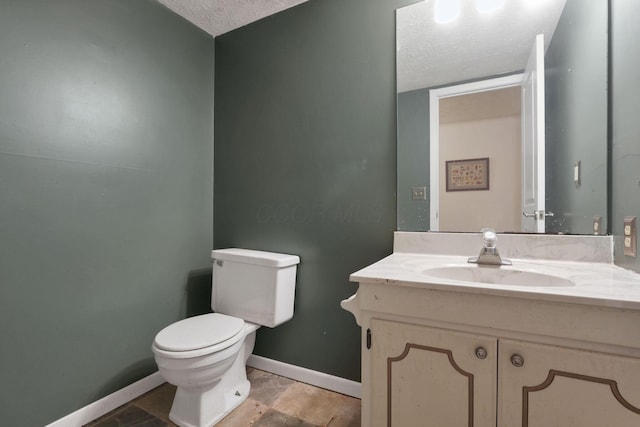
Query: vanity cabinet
[[436, 377], [555, 345], [440, 358]]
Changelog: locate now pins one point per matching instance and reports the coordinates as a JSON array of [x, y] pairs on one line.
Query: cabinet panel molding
[[431, 377], [454, 365], [612, 384], [568, 387]]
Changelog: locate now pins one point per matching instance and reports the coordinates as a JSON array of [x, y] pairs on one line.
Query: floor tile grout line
[[263, 378], [159, 417]]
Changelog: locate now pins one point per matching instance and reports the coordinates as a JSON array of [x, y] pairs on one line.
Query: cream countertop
[[595, 283]]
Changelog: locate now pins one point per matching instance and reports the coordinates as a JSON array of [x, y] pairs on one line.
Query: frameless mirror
[[502, 115]]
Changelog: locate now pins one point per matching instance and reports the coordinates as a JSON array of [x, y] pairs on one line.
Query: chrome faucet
[[489, 253]]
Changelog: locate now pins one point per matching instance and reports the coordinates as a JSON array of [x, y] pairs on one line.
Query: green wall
[[305, 161], [413, 159], [625, 173], [105, 195], [576, 118], [106, 179]]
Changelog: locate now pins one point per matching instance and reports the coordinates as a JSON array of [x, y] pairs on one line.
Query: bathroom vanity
[[553, 340]]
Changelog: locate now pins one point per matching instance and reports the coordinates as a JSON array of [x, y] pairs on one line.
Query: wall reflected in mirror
[[435, 60]]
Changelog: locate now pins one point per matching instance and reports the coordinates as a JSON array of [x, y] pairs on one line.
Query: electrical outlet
[[419, 193], [630, 233]]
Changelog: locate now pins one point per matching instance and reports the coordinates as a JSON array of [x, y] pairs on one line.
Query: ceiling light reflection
[[488, 6], [447, 11]]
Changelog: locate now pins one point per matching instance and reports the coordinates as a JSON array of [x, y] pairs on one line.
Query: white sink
[[509, 276]]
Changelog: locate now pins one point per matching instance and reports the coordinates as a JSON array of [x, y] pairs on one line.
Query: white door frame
[[435, 95], [533, 142]]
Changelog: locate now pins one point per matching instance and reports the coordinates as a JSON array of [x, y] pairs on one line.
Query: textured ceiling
[[219, 16], [476, 45], [429, 54]]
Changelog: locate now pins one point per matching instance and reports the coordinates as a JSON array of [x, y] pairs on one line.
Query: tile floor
[[274, 401]]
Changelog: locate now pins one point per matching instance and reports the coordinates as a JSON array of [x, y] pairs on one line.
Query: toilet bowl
[[209, 370], [205, 356]]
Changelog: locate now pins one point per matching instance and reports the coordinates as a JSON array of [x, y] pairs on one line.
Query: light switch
[[576, 174], [630, 233], [419, 193]]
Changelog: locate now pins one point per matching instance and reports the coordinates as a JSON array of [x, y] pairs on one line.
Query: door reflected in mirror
[[524, 85]]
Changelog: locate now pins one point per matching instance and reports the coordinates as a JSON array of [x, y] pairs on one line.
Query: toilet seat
[[199, 335]]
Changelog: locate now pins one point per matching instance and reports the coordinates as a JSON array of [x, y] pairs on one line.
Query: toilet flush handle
[[218, 262]]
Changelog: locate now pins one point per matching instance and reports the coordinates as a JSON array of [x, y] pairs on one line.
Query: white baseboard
[[118, 398], [110, 402], [319, 379]]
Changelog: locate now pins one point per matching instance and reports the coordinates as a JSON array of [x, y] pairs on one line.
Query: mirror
[[502, 115]]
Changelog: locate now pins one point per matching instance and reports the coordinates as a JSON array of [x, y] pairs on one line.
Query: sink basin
[[498, 276]]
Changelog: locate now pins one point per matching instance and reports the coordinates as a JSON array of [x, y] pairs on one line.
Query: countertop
[[595, 283]]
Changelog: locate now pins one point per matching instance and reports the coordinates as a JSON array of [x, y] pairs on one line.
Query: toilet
[[205, 356]]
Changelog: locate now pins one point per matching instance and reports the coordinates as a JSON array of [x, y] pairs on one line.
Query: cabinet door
[[562, 387], [431, 377]]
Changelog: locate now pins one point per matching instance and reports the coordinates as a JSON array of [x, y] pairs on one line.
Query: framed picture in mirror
[[467, 174]]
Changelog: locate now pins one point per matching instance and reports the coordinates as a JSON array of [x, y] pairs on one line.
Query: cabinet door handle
[[481, 353], [517, 361]]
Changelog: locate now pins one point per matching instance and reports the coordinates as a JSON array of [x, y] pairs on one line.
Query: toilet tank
[[256, 286]]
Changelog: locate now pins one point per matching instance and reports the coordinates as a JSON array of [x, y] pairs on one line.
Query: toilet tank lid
[[248, 256]]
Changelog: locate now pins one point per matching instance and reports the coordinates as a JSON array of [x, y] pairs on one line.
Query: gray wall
[[106, 195], [413, 159], [106, 179], [626, 126], [576, 117], [305, 161]]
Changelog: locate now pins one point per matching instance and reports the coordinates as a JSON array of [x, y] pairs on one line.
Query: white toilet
[[205, 356]]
